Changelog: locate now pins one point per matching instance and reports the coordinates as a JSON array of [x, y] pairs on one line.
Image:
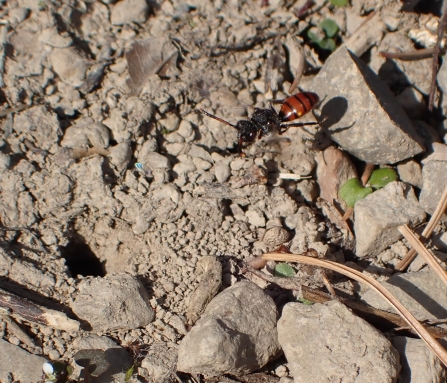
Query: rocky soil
[[128, 218]]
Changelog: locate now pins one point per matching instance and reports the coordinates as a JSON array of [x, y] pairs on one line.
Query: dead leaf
[[147, 58]]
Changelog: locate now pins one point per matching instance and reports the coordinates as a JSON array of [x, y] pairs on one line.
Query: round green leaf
[[313, 37], [328, 44], [339, 3], [382, 177], [284, 270], [329, 27], [305, 301], [352, 191]]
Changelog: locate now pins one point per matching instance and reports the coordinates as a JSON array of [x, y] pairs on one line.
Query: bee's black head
[[247, 131]]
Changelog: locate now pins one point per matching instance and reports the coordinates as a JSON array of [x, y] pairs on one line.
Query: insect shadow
[[331, 113]]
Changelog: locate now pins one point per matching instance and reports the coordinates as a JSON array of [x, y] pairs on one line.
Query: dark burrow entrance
[[80, 259]]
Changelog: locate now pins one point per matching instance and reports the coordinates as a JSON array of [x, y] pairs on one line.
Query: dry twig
[[409, 56], [423, 252], [428, 338], [359, 308], [438, 213], [31, 312]]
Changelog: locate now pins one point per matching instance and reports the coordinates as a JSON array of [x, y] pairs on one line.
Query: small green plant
[[339, 3], [129, 373], [306, 302], [324, 36], [284, 270], [353, 190], [382, 177]]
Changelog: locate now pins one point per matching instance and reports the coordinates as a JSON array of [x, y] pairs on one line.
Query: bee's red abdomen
[[298, 105]]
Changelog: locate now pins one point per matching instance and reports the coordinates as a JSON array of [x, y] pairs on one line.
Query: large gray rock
[[236, 334], [419, 363], [420, 292], [434, 177], [327, 343], [379, 214], [118, 358], [21, 365], [112, 303], [361, 114]]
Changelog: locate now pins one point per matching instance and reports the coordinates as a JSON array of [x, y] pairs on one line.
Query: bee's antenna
[[216, 118]]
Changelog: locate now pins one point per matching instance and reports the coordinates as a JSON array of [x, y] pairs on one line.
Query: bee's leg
[[284, 127], [241, 153]]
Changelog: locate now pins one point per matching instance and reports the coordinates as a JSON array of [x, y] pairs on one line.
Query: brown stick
[[359, 308], [423, 252], [420, 54], [31, 312], [438, 213], [367, 173]]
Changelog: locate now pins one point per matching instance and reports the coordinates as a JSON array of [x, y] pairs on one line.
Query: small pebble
[[54, 354]]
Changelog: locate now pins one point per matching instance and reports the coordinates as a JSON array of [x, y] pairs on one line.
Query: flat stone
[[69, 66], [328, 343], [222, 172], [361, 114], [420, 292], [128, 11], [38, 125], [52, 38], [86, 133], [419, 363], [236, 334], [112, 303], [154, 160], [434, 175], [255, 218], [119, 359], [23, 366], [410, 171], [379, 214], [199, 152]]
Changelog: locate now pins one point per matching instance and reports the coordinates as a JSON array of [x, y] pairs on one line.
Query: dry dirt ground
[[106, 167]]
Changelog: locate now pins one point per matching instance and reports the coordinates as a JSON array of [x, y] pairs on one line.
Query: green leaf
[[382, 177], [129, 373], [305, 301], [284, 270], [352, 191], [328, 44], [329, 27], [313, 37], [339, 3]]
